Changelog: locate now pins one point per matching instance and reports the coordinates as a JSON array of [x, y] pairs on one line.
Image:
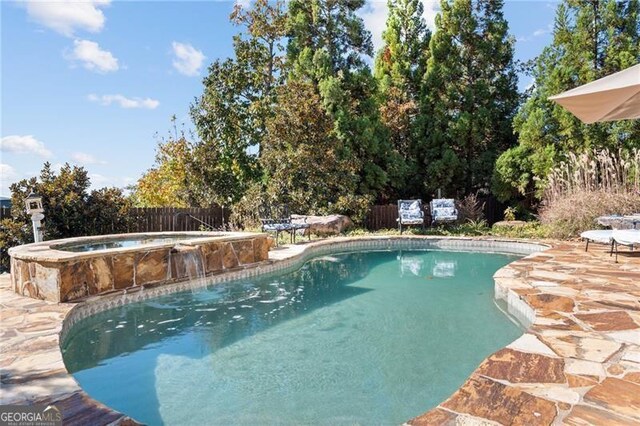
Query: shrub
[[245, 214], [12, 233], [520, 230], [589, 185], [70, 209], [470, 209], [510, 214], [567, 217]]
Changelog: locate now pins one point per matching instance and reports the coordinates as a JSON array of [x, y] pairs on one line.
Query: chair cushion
[[277, 227], [442, 213], [598, 235], [627, 237], [410, 212]]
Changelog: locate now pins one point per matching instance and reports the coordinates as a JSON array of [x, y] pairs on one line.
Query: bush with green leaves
[[70, 208]]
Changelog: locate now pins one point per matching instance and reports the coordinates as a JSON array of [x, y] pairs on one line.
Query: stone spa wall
[[46, 271]]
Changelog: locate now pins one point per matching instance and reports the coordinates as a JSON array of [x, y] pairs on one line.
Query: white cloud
[[537, 33], [100, 181], [188, 60], [246, 4], [8, 175], [68, 16], [124, 102], [92, 57], [26, 144], [541, 31], [374, 14], [84, 158]]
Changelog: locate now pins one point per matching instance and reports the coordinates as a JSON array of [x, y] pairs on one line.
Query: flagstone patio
[[577, 364]]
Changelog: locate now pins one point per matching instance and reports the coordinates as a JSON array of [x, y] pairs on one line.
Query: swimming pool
[[365, 337]]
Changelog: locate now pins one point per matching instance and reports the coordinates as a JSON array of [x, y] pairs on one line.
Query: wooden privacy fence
[[150, 219], [177, 219], [385, 216]]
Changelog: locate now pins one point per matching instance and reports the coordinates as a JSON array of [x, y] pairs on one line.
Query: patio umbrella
[[614, 97]]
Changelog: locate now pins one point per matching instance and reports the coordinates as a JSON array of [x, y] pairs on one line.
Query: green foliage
[[303, 158], [326, 37], [70, 209], [590, 40], [469, 97], [327, 41], [399, 68], [167, 183], [510, 214], [533, 230], [12, 233], [239, 95], [401, 62]]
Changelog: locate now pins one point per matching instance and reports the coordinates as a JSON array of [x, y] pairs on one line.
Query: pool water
[[123, 243], [357, 338]]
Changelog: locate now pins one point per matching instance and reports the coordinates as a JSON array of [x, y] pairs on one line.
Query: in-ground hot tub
[[74, 268]]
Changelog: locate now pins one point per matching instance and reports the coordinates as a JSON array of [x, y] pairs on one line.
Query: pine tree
[[327, 45], [401, 62], [591, 39], [399, 68], [469, 97]]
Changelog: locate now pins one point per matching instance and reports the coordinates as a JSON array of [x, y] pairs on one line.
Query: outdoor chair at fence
[[277, 219], [443, 210], [602, 236], [410, 213], [624, 237]]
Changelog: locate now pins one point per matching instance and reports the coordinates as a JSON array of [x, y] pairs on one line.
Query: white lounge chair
[[410, 213], [443, 210], [624, 237], [602, 236]]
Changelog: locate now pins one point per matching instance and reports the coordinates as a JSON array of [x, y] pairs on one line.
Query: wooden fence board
[[164, 219]]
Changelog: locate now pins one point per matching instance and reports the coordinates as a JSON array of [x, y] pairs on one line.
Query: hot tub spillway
[[185, 263]]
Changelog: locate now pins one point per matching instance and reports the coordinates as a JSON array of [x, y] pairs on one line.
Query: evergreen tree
[[469, 98], [401, 62], [591, 39], [327, 42], [399, 68], [302, 163]]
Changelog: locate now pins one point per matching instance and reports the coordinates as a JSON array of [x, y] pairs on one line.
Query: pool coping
[[576, 367], [53, 250]]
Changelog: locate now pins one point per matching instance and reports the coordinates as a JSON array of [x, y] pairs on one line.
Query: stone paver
[[578, 363]]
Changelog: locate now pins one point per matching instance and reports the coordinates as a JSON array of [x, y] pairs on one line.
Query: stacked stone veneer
[[42, 272]]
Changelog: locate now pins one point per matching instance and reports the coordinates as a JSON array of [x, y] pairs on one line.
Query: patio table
[[620, 222]]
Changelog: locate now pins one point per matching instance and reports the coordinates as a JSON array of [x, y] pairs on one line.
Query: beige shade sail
[[614, 97]]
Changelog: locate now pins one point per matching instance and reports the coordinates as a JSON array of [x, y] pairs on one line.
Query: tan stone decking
[[578, 363]]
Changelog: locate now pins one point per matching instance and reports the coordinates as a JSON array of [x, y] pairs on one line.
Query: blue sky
[[91, 82]]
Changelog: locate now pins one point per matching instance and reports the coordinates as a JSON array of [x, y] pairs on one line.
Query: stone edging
[[538, 379]]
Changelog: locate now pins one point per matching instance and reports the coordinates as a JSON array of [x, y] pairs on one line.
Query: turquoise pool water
[[122, 243], [357, 338]]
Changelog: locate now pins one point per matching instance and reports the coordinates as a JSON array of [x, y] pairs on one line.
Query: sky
[[95, 82]]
